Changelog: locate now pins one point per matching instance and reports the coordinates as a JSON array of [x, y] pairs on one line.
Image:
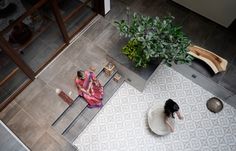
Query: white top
[[156, 120]]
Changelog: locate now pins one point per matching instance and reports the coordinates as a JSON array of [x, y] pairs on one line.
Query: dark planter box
[[137, 77]]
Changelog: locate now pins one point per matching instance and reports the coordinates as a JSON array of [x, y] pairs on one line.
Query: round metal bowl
[[214, 104]]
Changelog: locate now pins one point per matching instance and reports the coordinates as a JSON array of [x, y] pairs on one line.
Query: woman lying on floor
[[89, 88]]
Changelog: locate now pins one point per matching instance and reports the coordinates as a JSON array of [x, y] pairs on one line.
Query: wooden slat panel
[[59, 20], [75, 11], [9, 76]]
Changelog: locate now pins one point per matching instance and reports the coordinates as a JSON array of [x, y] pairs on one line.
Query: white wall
[[221, 11], [107, 6]]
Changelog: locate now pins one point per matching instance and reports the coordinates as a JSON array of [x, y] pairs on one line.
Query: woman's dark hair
[[170, 107], [80, 73]]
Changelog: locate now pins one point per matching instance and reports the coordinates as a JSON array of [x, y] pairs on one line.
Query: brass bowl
[[214, 104]]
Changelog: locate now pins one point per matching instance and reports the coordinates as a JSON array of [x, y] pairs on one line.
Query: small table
[[156, 120]]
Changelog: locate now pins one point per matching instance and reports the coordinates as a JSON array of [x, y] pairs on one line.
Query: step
[[103, 78], [68, 107], [88, 114], [70, 114]]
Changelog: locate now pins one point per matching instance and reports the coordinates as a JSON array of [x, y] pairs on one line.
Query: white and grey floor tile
[[122, 123]]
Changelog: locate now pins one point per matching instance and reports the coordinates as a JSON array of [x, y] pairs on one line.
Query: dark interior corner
[[232, 27]]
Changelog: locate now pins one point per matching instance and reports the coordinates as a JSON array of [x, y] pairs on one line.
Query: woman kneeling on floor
[[89, 88], [170, 108]]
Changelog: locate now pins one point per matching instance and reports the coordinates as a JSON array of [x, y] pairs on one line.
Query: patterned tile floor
[[122, 123]]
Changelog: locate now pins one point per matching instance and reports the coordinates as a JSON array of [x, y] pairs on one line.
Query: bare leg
[[169, 124]]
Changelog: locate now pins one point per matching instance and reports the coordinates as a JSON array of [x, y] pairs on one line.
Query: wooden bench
[[217, 63]]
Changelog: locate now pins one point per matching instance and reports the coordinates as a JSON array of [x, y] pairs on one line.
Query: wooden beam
[[59, 20], [16, 58]]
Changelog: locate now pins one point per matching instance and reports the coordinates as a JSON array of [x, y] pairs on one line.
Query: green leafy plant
[[152, 38], [134, 52]]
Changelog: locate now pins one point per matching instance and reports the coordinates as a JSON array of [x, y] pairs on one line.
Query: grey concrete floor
[[31, 114]]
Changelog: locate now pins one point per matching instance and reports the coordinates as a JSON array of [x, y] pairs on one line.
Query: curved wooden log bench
[[217, 63]]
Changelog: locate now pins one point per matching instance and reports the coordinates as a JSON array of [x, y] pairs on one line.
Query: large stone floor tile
[[231, 101], [61, 140], [96, 29], [54, 68], [54, 133], [110, 39], [30, 92], [46, 107], [206, 70], [89, 54], [64, 80], [198, 28], [117, 12], [126, 2], [168, 8], [73, 50], [141, 6], [48, 143], [25, 127], [222, 42], [9, 112], [228, 81]]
